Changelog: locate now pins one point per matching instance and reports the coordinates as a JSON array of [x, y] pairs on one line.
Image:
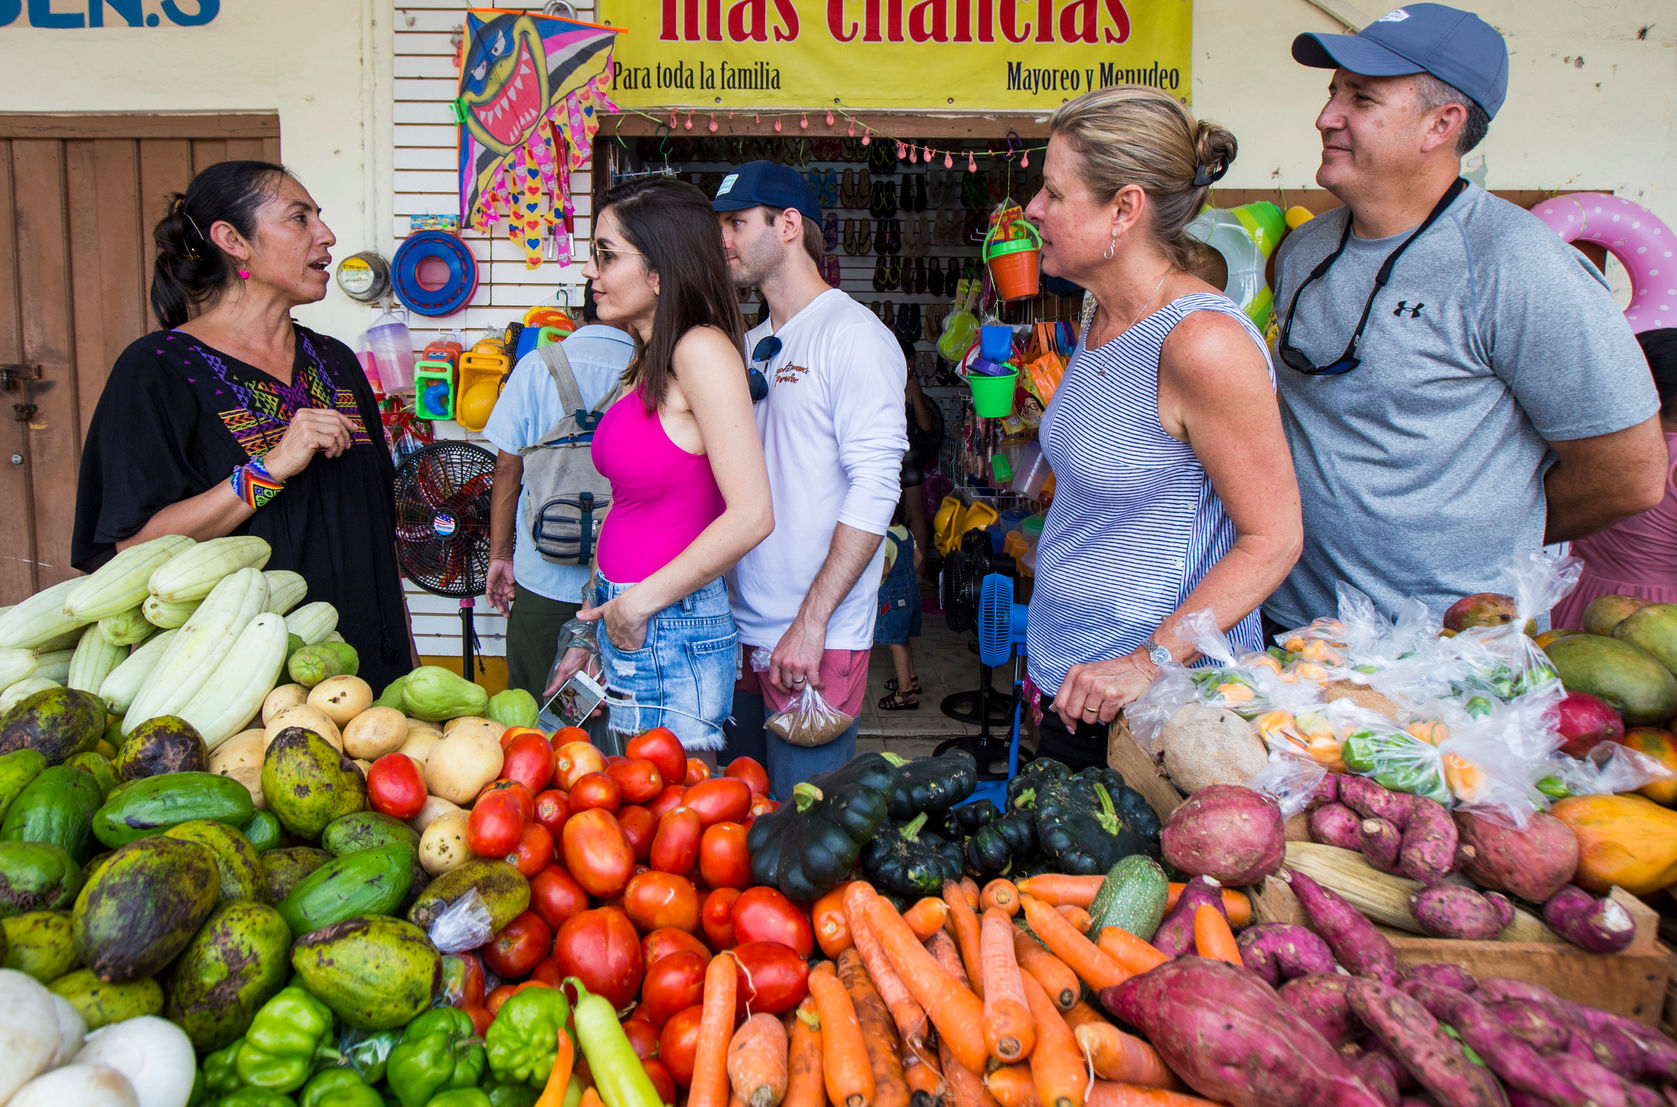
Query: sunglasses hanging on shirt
[[766, 348]]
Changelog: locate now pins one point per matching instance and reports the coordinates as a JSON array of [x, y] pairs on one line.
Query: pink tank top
[[662, 497], [1633, 557]]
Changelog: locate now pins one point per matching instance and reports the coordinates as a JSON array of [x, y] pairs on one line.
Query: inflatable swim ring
[[1630, 232], [449, 277], [1245, 236]]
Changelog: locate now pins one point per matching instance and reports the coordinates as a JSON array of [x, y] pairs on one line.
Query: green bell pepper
[[255, 1097], [220, 1074], [512, 1095], [339, 1088], [288, 1035], [524, 1038], [439, 1051], [460, 1097]]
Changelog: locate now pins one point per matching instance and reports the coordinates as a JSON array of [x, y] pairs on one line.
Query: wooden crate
[[1632, 982]]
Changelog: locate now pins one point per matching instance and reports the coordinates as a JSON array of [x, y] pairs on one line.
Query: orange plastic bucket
[[1012, 253]]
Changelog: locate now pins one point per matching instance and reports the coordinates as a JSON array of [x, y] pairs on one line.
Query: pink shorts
[[844, 681]]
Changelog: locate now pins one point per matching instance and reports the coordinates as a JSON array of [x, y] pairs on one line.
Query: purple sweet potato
[[1327, 791], [1281, 951], [1227, 832], [1516, 1062], [1334, 824], [1356, 943], [1175, 935], [1598, 925], [1532, 862], [1381, 1072], [1532, 1023], [1371, 801], [1319, 999], [1442, 973], [1603, 1088], [1455, 911], [1429, 843], [1230, 1038], [1379, 842], [1495, 989], [1621, 1044], [1414, 1037], [1502, 905]]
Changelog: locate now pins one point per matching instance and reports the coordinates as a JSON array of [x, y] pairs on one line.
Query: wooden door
[[79, 195]]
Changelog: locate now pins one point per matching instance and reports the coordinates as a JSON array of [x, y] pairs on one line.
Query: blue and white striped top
[[1134, 523]]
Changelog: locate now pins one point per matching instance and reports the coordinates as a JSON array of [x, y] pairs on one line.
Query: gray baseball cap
[[1457, 47]]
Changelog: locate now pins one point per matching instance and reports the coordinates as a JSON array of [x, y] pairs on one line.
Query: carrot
[[832, 928], [591, 1098], [1008, 1029], [1110, 1093], [1237, 904], [1212, 936], [1064, 941], [564, 1059], [926, 916], [906, 1012], [805, 1086], [921, 1076], [1059, 888], [757, 1061], [844, 1053], [944, 951], [1012, 1086], [963, 923], [1000, 892], [1057, 1065], [1115, 1055], [1129, 951], [878, 1032], [969, 888], [1076, 916], [953, 1009], [1053, 974], [716, 1028], [965, 1088]]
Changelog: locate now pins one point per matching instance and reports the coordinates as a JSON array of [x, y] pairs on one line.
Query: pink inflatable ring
[[1633, 234]]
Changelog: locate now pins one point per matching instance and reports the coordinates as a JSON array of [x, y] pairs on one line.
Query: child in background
[[899, 615]]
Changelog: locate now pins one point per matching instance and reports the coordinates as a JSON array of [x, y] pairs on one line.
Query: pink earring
[[244, 274]]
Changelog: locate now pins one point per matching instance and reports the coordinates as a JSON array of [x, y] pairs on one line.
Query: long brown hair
[[673, 225]]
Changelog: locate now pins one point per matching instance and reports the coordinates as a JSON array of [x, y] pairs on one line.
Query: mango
[[1661, 745], [1632, 682], [165, 744], [236, 859], [143, 906], [307, 783], [375, 973], [36, 876], [1652, 629], [1482, 609], [57, 723], [235, 964], [100, 1003], [503, 888], [286, 868], [365, 830], [1607, 612], [39, 943]]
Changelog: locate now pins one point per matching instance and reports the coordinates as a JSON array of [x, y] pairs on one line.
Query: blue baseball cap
[[765, 184], [1457, 47]]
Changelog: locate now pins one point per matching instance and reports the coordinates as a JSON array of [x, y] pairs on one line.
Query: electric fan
[[964, 573], [442, 527]]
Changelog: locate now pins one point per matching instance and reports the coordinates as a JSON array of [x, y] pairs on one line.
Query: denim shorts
[[682, 677]]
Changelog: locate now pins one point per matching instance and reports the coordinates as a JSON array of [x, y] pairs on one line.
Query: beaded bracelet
[[253, 484]]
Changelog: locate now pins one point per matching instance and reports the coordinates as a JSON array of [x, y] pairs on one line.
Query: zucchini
[[366, 882], [153, 804], [94, 659], [206, 638], [40, 618], [232, 695], [193, 573], [56, 808], [120, 583], [119, 689], [263, 831], [1132, 897], [168, 616], [285, 590]]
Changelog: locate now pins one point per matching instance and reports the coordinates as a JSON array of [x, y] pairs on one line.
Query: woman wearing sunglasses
[[690, 492], [1174, 489]]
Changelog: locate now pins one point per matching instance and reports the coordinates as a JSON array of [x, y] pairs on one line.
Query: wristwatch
[[1156, 653]]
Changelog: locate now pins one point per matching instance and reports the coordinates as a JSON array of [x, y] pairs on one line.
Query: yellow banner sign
[[913, 55]]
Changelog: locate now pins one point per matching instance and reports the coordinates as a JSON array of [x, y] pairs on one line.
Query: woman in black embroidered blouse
[[234, 419]]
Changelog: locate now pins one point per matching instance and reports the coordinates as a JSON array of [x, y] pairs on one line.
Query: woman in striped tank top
[[1174, 489]]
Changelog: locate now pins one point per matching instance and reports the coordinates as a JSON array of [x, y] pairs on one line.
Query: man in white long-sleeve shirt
[[834, 434]]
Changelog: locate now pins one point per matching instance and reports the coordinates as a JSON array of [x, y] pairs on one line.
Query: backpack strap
[[559, 368], [574, 416]]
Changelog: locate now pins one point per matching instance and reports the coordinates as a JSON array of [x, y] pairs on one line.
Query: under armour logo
[[1403, 306]]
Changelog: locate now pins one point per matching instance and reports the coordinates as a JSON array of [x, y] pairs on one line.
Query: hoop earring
[[1111, 248]]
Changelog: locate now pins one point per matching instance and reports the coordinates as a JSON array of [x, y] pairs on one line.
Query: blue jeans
[[682, 677], [787, 764]]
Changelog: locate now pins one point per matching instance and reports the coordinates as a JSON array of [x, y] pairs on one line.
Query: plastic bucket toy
[[995, 341], [1013, 260], [992, 397]]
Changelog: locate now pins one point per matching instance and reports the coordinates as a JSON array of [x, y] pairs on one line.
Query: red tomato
[[666, 940], [598, 853], [596, 790], [761, 805], [661, 747], [772, 977], [548, 972], [662, 1082], [396, 786], [675, 848], [462, 979], [696, 771], [675, 982], [721, 800], [717, 917], [677, 1043], [481, 1018], [574, 760], [553, 807], [512, 732], [534, 851], [492, 1002], [529, 760], [655, 899], [723, 859], [642, 1035], [556, 896], [519, 947], [765, 915], [495, 824], [526, 799], [639, 825], [667, 800], [600, 948], [637, 779], [748, 769], [569, 734]]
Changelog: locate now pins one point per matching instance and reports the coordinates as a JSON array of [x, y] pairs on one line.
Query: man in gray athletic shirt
[[1489, 398]]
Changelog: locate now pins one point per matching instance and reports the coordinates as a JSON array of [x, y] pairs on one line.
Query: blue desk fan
[[1001, 638]]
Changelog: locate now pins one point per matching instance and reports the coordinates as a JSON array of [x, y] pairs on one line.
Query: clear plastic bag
[[1491, 759], [1508, 663], [1608, 769], [365, 1051], [809, 721], [1291, 781], [1320, 731], [1245, 685], [464, 924]]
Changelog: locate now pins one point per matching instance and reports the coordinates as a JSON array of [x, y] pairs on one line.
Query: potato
[[374, 732], [435, 808], [475, 723], [309, 718], [462, 763], [363, 764], [240, 757], [341, 698], [286, 695], [418, 743], [443, 845], [1204, 745]]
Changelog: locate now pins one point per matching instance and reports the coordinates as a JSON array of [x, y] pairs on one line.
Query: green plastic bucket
[[992, 397]]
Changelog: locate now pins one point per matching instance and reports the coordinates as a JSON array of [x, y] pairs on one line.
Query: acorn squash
[[1625, 840]]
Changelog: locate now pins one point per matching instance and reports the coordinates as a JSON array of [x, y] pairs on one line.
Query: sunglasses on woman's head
[[768, 346]]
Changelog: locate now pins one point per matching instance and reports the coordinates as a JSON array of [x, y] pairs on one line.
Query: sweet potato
[[1532, 862], [1380, 1071], [1599, 1084], [1371, 801], [1280, 951], [1227, 832], [1414, 1037], [1379, 842], [1319, 999], [1598, 925], [1429, 843], [1357, 944], [1502, 905], [1175, 935], [1441, 973], [1532, 1023], [1622, 1045], [1334, 824], [1455, 911], [1229, 1037], [1326, 791], [1516, 1062]]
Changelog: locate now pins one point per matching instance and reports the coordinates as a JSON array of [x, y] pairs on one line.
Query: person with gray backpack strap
[[549, 500]]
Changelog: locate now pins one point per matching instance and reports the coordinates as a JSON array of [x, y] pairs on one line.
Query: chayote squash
[[513, 707], [433, 694]]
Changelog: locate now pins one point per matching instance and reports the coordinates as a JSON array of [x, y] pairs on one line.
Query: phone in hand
[[576, 699]]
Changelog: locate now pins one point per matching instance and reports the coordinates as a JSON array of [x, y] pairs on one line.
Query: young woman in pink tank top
[[690, 492]]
